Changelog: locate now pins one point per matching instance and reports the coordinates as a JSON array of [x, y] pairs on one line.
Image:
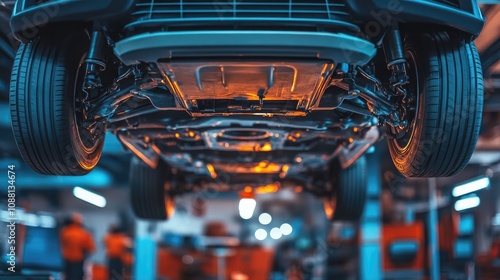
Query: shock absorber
[[396, 62], [95, 62]]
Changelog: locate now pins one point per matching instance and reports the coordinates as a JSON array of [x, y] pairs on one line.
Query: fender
[[28, 16], [465, 17]]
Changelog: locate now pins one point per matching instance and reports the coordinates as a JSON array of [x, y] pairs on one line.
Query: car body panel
[[465, 16], [28, 16]]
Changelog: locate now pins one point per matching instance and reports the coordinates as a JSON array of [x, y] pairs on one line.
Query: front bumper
[[151, 47], [463, 15]]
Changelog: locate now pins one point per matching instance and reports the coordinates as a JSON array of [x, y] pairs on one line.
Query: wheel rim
[[402, 138], [89, 136]]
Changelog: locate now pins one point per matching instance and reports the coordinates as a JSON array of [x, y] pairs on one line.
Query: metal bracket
[[350, 153]]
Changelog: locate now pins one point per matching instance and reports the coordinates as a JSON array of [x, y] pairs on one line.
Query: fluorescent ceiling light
[[260, 234], [467, 203], [286, 229], [246, 207], [90, 197], [30, 220], [472, 186], [47, 221], [265, 218], [276, 233]]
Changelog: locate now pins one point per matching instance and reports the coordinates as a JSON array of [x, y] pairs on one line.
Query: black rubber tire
[[347, 199], [148, 191], [42, 105], [450, 97]]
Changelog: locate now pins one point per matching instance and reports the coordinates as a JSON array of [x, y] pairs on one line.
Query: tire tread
[[40, 96], [147, 191], [451, 77]]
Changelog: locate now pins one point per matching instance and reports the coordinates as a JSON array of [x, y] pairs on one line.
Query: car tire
[[346, 200], [148, 191], [448, 100], [46, 117]]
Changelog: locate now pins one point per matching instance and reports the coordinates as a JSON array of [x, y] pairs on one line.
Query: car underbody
[[251, 93]]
